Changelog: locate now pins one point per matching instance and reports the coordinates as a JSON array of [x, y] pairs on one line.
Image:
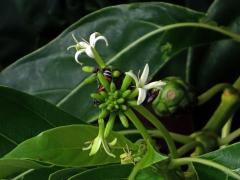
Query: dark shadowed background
[[27, 25]]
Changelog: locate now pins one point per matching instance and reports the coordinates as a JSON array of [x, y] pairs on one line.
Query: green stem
[[227, 127], [203, 98], [235, 134], [167, 137], [189, 65], [230, 101], [137, 123], [183, 161], [98, 58], [187, 147], [156, 133]]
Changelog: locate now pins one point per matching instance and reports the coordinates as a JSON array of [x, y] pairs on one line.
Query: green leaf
[[62, 146], [64, 174], [150, 157], [149, 174], [228, 157], [40, 174], [13, 167], [113, 172], [23, 116], [135, 31], [222, 56]]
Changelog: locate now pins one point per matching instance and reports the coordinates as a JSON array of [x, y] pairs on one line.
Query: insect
[[127, 157], [107, 75]]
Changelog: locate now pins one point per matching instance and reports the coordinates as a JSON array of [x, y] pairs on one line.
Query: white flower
[[141, 84], [87, 47], [100, 140]]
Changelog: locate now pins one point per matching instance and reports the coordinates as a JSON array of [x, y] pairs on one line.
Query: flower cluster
[[112, 99]]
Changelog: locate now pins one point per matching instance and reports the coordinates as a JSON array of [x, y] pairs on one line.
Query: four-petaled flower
[[141, 84], [87, 47]]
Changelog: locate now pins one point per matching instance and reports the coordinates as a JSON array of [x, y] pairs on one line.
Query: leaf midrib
[[150, 34]]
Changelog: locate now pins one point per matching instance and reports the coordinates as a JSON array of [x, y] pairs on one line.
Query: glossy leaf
[[149, 174], [62, 146], [23, 116], [40, 174], [222, 56], [113, 172], [64, 174], [228, 157], [151, 157], [10, 168], [135, 32]]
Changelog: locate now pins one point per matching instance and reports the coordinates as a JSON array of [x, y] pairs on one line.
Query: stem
[[203, 98], [230, 101], [98, 58], [137, 123], [189, 65], [183, 161], [187, 147], [227, 127], [235, 134], [156, 133], [167, 137]]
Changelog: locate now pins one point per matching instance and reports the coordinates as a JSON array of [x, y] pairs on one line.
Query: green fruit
[[174, 95]]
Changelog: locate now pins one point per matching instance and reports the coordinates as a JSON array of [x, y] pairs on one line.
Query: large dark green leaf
[[40, 174], [23, 116], [113, 172], [221, 56], [149, 174], [63, 146], [228, 157], [10, 168], [64, 174], [136, 33]]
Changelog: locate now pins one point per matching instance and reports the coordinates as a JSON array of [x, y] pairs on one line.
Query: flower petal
[[89, 52], [142, 93], [83, 45], [155, 84], [132, 75], [96, 145], [107, 150], [100, 38], [74, 38], [92, 38], [144, 76], [113, 142], [77, 54], [87, 147]]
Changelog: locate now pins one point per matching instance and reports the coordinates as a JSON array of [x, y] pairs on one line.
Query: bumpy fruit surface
[[174, 95]]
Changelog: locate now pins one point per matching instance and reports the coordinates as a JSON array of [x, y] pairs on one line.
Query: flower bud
[[88, 69], [123, 120], [126, 83], [116, 73]]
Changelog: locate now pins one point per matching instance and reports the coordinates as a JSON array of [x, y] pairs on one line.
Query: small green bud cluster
[[113, 100]]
